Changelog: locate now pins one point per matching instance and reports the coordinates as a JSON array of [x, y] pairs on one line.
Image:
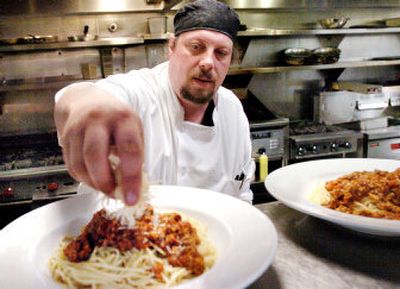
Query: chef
[[174, 122]]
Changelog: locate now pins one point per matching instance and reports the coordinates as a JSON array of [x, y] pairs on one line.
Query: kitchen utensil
[[30, 39], [325, 55], [84, 37], [333, 22], [297, 56]]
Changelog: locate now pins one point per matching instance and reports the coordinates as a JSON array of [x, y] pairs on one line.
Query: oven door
[[383, 148]]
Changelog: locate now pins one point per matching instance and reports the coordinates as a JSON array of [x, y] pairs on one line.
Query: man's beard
[[198, 97]]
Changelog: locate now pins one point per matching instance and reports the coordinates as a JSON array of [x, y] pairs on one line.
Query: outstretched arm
[[89, 122]]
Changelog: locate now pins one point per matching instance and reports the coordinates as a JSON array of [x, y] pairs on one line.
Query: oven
[[382, 143], [32, 173], [269, 137]]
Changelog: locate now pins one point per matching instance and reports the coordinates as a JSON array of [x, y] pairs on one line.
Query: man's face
[[199, 62]]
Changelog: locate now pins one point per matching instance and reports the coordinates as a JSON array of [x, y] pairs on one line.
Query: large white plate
[[293, 184], [246, 240]]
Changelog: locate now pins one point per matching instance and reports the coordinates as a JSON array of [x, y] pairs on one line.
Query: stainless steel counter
[[315, 254]]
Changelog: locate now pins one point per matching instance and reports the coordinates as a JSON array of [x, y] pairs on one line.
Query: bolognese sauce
[[176, 238], [373, 194]]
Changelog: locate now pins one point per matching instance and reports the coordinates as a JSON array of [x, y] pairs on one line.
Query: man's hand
[[89, 122]]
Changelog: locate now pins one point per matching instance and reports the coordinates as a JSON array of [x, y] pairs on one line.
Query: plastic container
[[263, 163]]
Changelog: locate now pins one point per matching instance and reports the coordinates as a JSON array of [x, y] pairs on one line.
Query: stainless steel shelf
[[40, 83], [253, 32], [288, 32], [115, 41], [338, 65]]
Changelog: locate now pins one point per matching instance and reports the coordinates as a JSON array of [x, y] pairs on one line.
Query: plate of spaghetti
[[185, 238], [359, 194]]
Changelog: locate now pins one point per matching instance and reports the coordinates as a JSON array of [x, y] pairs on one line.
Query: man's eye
[[195, 46], [222, 53]]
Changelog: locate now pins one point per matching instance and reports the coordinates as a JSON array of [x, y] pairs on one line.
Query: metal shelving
[[252, 32], [115, 41], [337, 65]]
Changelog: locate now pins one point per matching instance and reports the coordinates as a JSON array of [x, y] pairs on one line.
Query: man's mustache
[[205, 75]]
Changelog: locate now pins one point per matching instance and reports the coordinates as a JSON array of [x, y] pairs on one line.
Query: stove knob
[[346, 145], [333, 147], [8, 192], [301, 151], [314, 149], [52, 186]]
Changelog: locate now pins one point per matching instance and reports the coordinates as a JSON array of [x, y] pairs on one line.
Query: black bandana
[[209, 15]]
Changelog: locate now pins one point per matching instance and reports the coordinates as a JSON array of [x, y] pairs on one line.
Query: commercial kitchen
[[311, 89]]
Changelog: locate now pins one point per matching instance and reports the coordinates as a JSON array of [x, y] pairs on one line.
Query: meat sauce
[[379, 188], [177, 238]]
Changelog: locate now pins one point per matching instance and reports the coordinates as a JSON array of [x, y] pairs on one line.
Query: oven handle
[[33, 172], [374, 105]]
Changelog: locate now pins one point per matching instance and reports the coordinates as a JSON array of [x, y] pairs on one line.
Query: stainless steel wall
[[8, 7], [288, 94]]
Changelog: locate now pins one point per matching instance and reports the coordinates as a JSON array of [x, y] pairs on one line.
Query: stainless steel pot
[[297, 56], [334, 22], [325, 55]]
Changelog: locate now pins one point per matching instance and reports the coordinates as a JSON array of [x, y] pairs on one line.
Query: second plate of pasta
[[301, 186]]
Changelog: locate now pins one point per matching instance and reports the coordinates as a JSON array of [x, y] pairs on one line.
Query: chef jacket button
[[183, 171]]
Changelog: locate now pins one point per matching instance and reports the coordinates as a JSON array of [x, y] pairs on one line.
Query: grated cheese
[[127, 215]]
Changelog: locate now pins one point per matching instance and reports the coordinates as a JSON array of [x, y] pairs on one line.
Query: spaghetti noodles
[[162, 250], [367, 193]]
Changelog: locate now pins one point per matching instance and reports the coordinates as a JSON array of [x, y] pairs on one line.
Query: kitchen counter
[[316, 254]]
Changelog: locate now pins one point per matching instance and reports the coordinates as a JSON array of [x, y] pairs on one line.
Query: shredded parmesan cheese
[[127, 215]]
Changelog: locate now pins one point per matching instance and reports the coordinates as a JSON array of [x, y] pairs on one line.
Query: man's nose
[[207, 61]]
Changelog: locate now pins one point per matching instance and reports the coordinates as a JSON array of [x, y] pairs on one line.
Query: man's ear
[[171, 44]]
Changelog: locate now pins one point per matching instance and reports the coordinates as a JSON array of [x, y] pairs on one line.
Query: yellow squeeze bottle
[[263, 161]]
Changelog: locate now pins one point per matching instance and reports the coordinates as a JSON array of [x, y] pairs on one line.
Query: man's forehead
[[207, 36]]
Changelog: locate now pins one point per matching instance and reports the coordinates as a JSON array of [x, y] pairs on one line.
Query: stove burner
[[304, 128], [30, 158]]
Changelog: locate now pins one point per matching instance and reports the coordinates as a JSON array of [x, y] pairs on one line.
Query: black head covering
[[209, 15]]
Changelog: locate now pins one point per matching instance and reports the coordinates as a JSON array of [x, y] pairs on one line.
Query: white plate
[[293, 184], [246, 240]]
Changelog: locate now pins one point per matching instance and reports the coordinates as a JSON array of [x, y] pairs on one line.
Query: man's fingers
[[76, 164], [128, 138], [95, 154]]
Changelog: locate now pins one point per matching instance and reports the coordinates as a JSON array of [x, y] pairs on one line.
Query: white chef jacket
[[178, 152]]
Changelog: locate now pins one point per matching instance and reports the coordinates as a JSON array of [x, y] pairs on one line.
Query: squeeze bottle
[[263, 161]]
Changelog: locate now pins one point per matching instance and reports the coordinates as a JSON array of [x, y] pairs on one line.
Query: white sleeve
[[61, 92], [245, 193], [121, 86]]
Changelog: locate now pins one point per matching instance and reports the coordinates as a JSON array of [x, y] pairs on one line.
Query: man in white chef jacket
[[174, 121]]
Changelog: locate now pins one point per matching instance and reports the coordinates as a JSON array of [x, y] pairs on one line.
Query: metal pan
[[297, 56]]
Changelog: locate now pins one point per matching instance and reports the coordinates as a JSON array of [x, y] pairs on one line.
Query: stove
[[310, 140], [32, 169]]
